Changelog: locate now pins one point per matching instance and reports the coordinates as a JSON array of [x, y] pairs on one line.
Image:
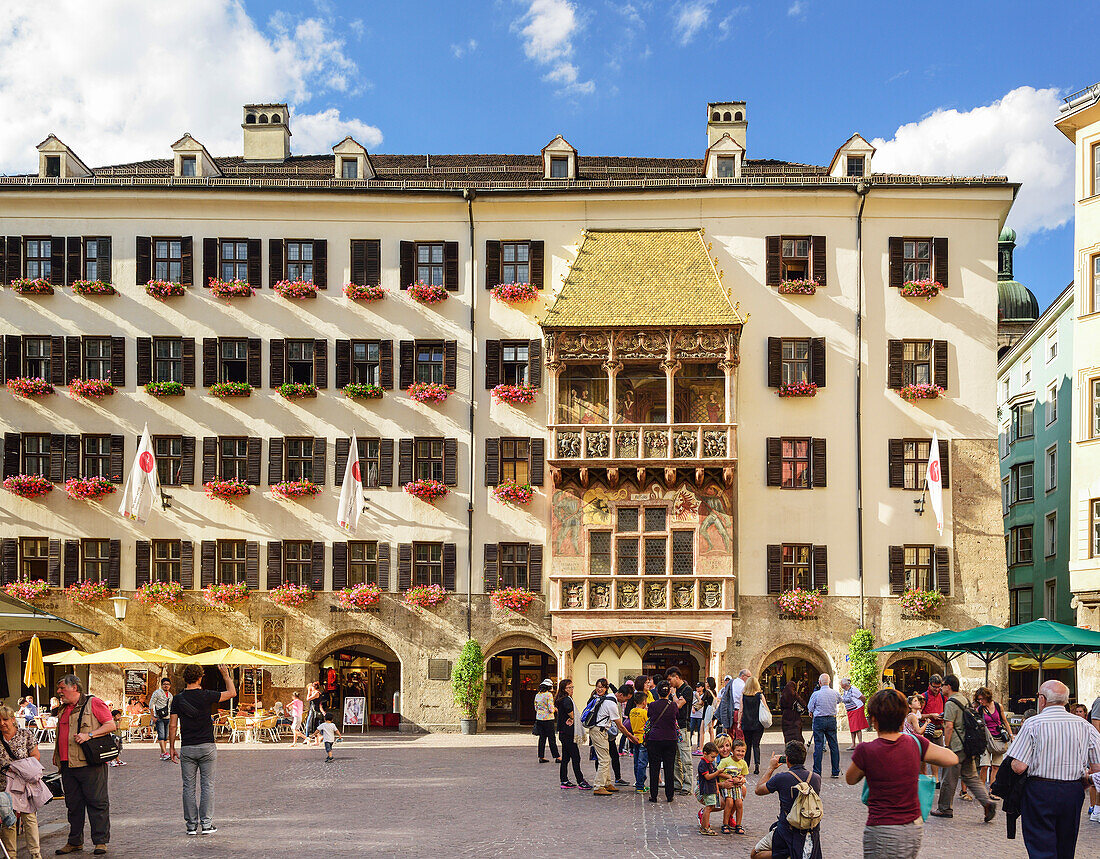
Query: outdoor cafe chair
[[141, 728], [268, 727], [240, 729], [45, 732]]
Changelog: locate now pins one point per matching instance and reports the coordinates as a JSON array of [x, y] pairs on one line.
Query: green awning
[[1040, 639], [19, 616]]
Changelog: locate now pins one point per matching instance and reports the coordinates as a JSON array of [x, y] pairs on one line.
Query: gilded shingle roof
[[627, 278]]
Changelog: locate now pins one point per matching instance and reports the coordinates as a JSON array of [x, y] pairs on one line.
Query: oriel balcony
[[650, 444]]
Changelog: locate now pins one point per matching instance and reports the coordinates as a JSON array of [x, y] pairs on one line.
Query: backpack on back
[[974, 739], [807, 811], [591, 711]]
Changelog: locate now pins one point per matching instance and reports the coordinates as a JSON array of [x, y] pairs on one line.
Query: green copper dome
[[1007, 235], [1015, 302]]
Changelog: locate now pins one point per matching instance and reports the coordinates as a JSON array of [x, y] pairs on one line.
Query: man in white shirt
[[607, 714], [737, 691]]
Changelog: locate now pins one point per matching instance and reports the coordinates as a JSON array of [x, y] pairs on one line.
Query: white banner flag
[[143, 485], [934, 480], [351, 494]]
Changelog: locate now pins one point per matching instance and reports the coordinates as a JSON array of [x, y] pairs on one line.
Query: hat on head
[[727, 678], [547, 682]]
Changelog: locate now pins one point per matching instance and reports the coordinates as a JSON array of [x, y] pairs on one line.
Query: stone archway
[[519, 640], [358, 671], [800, 661], [912, 668], [201, 644], [13, 662]]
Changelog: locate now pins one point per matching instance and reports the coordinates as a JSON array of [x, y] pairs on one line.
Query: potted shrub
[[514, 293], [425, 596], [165, 389], [427, 293], [25, 387], [163, 289], [297, 391], [516, 394], [918, 603], [296, 289], [429, 392], [798, 389], [227, 490], [228, 289], [803, 286], [921, 288], [92, 389], [920, 391], [467, 684], [357, 292], [801, 603], [296, 489], [160, 593], [88, 592], [426, 489], [290, 595], [35, 590], [360, 596], [219, 595], [88, 488], [863, 662], [28, 485], [513, 599], [360, 391], [511, 492], [93, 287], [230, 389], [32, 286]]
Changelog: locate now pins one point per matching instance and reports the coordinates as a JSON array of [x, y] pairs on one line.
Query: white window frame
[[1052, 344], [1050, 535], [1051, 473], [1025, 370], [1052, 403], [1050, 592]]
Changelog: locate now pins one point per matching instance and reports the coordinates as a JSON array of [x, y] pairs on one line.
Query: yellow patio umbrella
[[65, 658], [1026, 662], [237, 657], [35, 673], [116, 656], [278, 658], [166, 656]]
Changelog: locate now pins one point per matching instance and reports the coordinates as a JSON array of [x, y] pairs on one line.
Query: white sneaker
[[1095, 816]]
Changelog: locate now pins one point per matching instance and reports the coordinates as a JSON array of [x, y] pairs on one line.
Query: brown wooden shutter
[[274, 460], [343, 451], [404, 566], [405, 461], [897, 262], [538, 461], [320, 263], [534, 363], [57, 457], [408, 264], [939, 363], [73, 260], [450, 564], [186, 261], [536, 255], [819, 259], [274, 564], [114, 461], [320, 364], [320, 455], [820, 572], [492, 461], [817, 448], [12, 446], [534, 567], [450, 363], [343, 363], [252, 564], [144, 349], [276, 370], [359, 262], [274, 261], [775, 362], [450, 266], [775, 569], [209, 361], [57, 359], [141, 562], [9, 560], [209, 260], [53, 563], [772, 268], [406, 358], [253, 463], [939, 261], [114, 564], [187, 460], [450, 461], [817, 361], [774, 460], [255, 264], [374, 262], [385, 462], [209, 458], [188, 351], [945, 464], [71, 563], [144, 260], [897, 569], [73, 354], [492, 364], [13, 258], [57, 260], [255, 378], [896, 456], [118, 362], [492, 569], [187, 564], [943, 570], [103, 258], [492, 263], [339, 565], [384, 566], [385, 364], [72, 456], [208, 562], [895, 369], [13, 356]]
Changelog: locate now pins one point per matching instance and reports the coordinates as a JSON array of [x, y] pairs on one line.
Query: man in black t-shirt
[[198, 752], [681, 697]]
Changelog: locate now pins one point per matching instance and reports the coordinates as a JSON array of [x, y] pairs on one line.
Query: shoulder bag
[[764, 715], [997, 744], [926, 786], [97, 750]]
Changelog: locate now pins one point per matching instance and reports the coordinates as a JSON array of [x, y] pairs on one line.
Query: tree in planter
[[468, 679], [864, 670]]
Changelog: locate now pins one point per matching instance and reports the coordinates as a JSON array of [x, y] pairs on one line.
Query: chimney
[[266, 132], [727, 117]]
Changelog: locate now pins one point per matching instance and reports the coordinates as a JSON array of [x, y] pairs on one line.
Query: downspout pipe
[[862, 190], [468, 195]]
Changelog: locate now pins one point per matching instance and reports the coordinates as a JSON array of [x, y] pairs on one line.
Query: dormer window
[[559, 167], [727, 166], [188, 166], [53, 166], [855, 165], [349, 168]]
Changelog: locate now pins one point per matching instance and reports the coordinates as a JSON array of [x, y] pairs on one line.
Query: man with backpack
[[600, 714], [964, 734], [797, 831]]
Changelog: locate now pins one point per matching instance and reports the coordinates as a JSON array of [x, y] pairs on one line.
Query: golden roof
[[641, 278]]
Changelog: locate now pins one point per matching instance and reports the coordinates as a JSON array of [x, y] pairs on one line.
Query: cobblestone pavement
[[445, 796]]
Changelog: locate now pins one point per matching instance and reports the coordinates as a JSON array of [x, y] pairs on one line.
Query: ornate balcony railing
[[688, 444], [642, 593]]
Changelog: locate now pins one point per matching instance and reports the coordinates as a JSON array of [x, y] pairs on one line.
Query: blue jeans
[[641, 764], [198, 759], [824, 728]]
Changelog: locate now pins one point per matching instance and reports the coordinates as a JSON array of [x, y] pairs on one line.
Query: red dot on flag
[[935, 471], [355, 472], [146, 461]]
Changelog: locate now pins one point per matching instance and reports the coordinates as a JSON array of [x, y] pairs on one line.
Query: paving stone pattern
[[445, 796]]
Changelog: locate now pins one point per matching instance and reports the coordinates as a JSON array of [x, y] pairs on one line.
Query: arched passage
[[800, 662], [13, 663], [690, 656], [515, 665], [909, 672], [211, 676], [359, 672]]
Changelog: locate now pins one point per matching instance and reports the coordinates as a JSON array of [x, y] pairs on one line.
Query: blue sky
[[973, 86]]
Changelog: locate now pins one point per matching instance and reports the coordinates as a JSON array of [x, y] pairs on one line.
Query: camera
[[782, 759]]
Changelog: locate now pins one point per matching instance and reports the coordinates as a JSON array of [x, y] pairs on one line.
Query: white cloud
[[548, 28], [125, 78], [690, 18], [1014, 137], [797, 9], [461, 49]]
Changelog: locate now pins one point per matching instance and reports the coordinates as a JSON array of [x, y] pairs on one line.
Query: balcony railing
[[684, 443], [645, 594]]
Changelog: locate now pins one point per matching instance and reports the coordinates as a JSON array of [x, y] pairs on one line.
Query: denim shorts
[[162, 729], [696, 721], [328, 748]]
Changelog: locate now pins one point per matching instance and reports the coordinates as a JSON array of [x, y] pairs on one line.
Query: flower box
[[162, 289], [219, 595], [517, 395], [160, 593], [290, 595], [230, 389], [32, 286], [227, 490], [425, 596], [360, 596], [356, 292], [921, 289], [426, 490], [429, 392], [922, 391], [357, 391], [514, 599], [799, 603], [297, 391], [25, 387], [92, 389], [296, 489], [798, 287], [798, 389], [511, 492], [88, 592], [35, 590], [514, 293], [88, 488], [427, 293], [918, 603], [165, 389], [296, 289], [93, 287], [228, 289], [28, 485]]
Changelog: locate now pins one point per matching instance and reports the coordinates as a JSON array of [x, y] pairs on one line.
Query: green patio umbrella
[[1042, 640], [950, 644]]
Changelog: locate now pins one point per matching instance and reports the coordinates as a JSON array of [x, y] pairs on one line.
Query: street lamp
[[120, 607]]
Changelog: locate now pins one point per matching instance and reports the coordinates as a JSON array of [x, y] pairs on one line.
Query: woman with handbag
[[17, 744], [898, 797], [853, 702], [998, 734], [752, 699], [661, 738], [791, 707]]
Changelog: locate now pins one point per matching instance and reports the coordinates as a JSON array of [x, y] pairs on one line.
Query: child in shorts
[[328, 732], [726, 769], [736, 773], [708, 787]]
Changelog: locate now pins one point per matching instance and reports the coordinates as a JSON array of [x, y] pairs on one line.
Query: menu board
[[136, 682], [252, 682]]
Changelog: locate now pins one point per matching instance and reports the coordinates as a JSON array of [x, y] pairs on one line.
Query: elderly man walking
[[822, 707], [1056, 750]]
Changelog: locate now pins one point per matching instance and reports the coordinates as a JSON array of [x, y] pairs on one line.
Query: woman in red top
[[891, 764]]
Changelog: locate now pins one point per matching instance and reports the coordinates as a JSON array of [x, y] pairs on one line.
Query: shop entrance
[[511, 681], [803, 671], [360, 671], [13, 663], [663, 657], [1023, 681], [911, 675]]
